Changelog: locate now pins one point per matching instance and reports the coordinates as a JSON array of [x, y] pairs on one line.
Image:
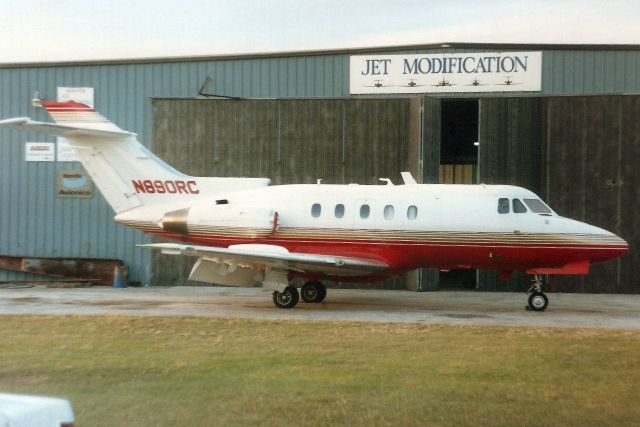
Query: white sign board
[[83, 95], [446, 72], [39, 151], [64, 152]]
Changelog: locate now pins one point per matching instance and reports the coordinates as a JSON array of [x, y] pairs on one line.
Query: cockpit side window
[[537, 206], [518, 207], [503, 205]]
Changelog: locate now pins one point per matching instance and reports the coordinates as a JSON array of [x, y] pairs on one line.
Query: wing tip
[[15, 121]]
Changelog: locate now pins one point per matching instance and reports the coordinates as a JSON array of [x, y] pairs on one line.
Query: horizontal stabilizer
[[61, 130]]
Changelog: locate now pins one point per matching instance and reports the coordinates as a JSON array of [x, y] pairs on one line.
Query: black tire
[[323, 293], [538, 301], [313, 292], [287, 298]]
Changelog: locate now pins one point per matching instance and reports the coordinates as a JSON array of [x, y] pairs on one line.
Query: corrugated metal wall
[[511, 140], [629, 192], [592, 175], [35, 223], [289, 141]]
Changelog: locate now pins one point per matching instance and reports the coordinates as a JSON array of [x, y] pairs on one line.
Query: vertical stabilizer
[[127, 174]]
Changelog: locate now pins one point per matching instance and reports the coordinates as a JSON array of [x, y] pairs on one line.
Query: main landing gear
[[311, 292], [538, 301], [287, 298]]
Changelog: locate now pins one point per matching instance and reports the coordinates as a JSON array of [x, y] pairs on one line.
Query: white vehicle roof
[[34, 411]]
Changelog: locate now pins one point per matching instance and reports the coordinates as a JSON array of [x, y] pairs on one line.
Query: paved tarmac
[[444, 307]]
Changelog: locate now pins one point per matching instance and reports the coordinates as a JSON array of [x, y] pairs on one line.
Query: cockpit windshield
[[538, 206]]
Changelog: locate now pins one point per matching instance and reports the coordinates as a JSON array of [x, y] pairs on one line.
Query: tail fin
[[127, 174]]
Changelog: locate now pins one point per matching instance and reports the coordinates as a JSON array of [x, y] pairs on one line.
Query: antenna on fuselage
[[408, 178], [387, 180]]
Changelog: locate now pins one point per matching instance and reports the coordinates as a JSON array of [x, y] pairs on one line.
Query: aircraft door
[[520, 223], [518, 212], [507, 220]]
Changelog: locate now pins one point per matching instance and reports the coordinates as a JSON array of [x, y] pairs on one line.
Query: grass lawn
[[120, 371]]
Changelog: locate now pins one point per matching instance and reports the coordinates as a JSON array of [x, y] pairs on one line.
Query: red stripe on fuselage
[[406, 255]]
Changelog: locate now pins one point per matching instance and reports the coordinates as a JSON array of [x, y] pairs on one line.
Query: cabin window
[[388, 212], [537, 206], [316, 209], [339, 211], [364, 211], [222, 202], [503, 206], [518, 207], [412, 212]]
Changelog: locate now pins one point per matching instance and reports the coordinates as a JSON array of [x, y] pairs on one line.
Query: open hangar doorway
[[459, 147]]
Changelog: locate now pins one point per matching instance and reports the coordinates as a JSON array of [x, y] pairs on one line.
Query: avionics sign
[[446, 72]]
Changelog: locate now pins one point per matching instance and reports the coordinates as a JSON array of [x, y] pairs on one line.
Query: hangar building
[[561, 120]]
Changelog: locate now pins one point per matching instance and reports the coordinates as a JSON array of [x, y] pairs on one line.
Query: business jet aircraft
[[244, 231]]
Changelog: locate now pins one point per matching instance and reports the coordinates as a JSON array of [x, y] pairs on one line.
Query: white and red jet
[[244, 231]]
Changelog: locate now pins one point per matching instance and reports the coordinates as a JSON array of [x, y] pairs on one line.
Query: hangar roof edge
[[319, 52]]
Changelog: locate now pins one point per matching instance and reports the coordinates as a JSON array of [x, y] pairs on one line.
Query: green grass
[[202, 372]]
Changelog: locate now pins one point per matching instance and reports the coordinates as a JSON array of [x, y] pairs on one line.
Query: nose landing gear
[[538, 301]]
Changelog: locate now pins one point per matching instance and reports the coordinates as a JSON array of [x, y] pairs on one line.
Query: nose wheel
[[538, 301]]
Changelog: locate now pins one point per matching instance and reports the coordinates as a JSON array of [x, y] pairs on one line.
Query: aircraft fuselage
[[405, 226]]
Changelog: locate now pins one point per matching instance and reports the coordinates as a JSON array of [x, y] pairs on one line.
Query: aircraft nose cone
[[625, 244], [613, 247]]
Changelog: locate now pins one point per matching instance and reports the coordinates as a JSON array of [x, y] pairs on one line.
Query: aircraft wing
[[255, 256]]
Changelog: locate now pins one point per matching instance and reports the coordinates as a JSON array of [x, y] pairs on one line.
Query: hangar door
[[290, 141], [580, 154], [510, 136]]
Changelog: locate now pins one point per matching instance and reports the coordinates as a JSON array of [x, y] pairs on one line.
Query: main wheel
[[323, 293], [313, 292], [287, 298], [538, 301]]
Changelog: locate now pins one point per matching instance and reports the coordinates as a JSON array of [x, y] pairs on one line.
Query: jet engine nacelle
[[224, 219], [176, 221]]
